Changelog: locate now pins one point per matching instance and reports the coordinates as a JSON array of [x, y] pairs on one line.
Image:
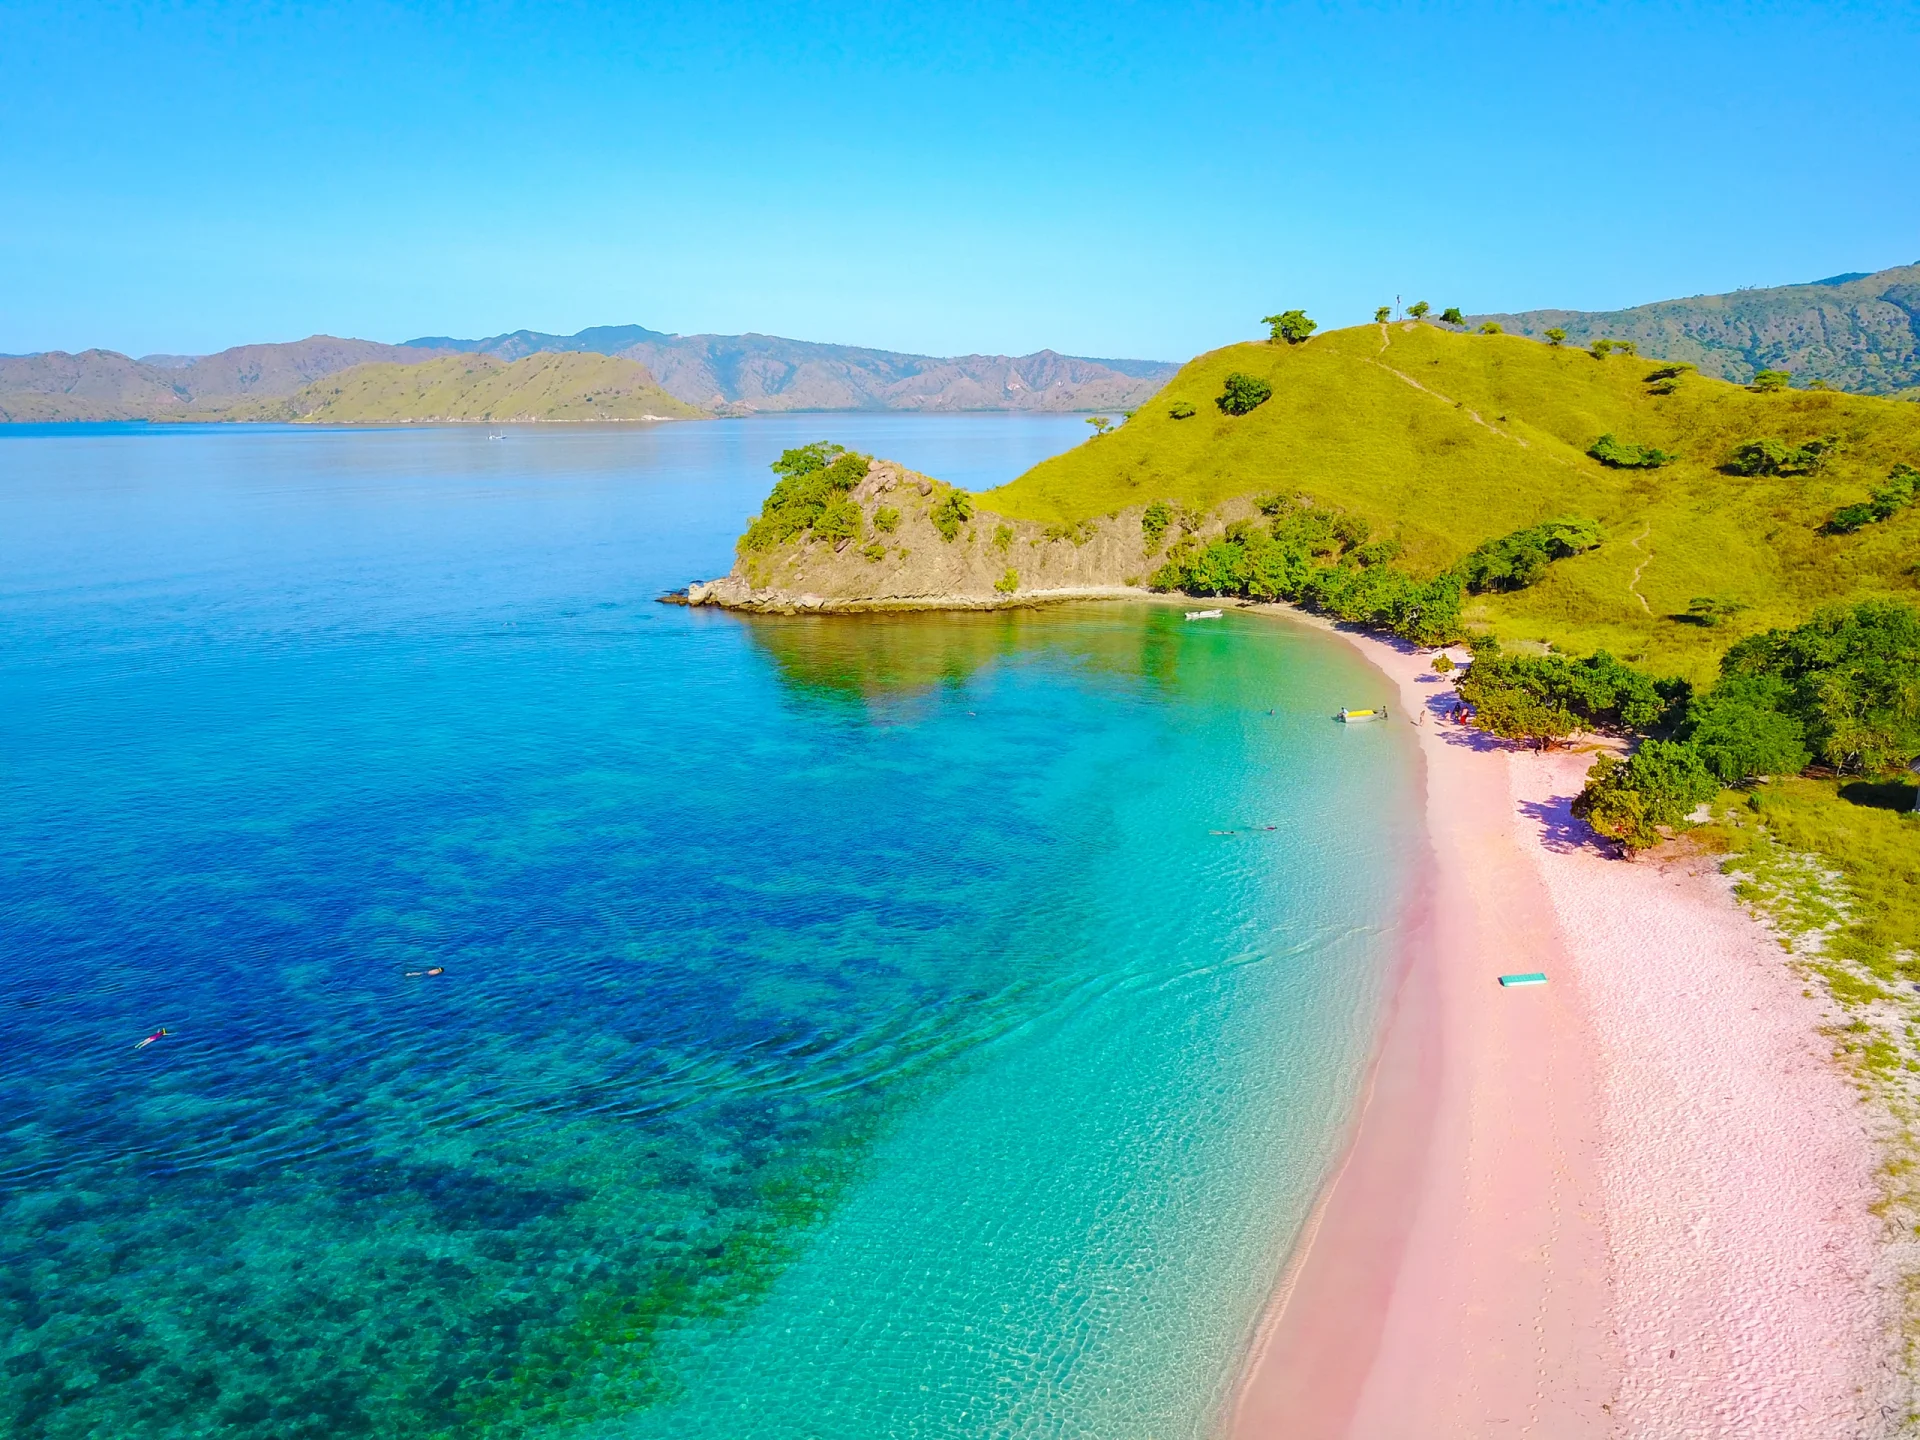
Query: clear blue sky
[[1114, 179]]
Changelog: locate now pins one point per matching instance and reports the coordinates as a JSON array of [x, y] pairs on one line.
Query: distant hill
[[1856, 332], [106, 385], [1438, 443], [454, 388], [736, 374]]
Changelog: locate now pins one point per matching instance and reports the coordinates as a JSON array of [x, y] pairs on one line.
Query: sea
[[577, 1015]]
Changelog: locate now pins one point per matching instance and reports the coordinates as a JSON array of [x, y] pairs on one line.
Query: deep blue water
[[846, 1028]]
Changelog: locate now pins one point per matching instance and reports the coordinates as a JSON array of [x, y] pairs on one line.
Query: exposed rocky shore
[[987, 561]]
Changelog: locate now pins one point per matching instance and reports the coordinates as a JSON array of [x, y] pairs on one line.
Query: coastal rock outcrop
[[920, 544]]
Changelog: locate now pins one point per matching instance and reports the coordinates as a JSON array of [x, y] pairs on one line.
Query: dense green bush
[[1622, 456], [1598, 691], [1631, 800], [1849, 677], [1009, 582], [810, 496], [886, 519], [1513, 562], [1418, 309], [1452, 316], [1767, 380], [1181, 410], [1776, 457], [1154, 521], [1900, 491], [953, 511], [1285, 561], [1555, 336], [1243, 394]]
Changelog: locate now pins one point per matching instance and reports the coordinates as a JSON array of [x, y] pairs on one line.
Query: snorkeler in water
[[151, 1038], [431, 970]]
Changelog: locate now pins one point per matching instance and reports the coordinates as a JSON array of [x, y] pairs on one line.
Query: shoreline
[[1635, 1201]]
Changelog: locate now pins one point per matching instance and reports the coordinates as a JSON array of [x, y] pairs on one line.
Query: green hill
[[1444, 441], [548, 387], [1856, 332]]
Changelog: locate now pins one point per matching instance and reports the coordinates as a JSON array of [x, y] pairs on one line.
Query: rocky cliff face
[[987, 562]]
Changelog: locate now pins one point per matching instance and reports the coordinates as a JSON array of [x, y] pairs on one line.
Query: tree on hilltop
[[1100, 423], [1556, 336], [1418, 309], [1292, 326], [1769, 380], [1493, 327], [1452, 316], [1380, 315]]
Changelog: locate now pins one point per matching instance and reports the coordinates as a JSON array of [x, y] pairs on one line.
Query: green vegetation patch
[[1900, 491], [1617, 453], [1243, 394], [810, 497]]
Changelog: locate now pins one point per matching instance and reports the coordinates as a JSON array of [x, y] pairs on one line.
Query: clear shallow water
[[847, 1029]]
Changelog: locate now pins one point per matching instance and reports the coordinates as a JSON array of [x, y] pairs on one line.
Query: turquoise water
[[846, 1028]]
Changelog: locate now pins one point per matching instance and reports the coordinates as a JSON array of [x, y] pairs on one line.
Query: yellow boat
[[1349, 716]]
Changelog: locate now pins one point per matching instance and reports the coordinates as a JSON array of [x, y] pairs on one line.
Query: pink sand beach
[[1634, 1201]]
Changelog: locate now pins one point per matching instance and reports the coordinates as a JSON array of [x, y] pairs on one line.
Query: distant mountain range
[[1856, 332], [736, 374], [106, 385], [716, 374], [456, 388]]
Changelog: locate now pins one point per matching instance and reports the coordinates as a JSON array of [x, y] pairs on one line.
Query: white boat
[[1205, 614]]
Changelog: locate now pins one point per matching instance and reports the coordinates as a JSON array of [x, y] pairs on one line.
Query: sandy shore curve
[[1636, 1201]]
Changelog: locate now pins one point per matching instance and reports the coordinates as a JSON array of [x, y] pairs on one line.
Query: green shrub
[[1291, 326], [1601, 349], [1556, 336], [1443, 663], [1181, 410], [953, 511], [1418, 309], [1493, 327], [1776, 457], [1009, 582], [1452, 316], [886, 519], [1632, 800], [1669, 372], [1154, 521], [1900, 491], [1243, 394], [1740, 730], [875, 552], [1513, 562], [1849, 677], [1380, 315], [1769, 380], [1002, 538], [1599, 691], [1622, 456], [810, 494]]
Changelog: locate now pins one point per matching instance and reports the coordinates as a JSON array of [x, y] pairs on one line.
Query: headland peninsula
[[1630, 610]]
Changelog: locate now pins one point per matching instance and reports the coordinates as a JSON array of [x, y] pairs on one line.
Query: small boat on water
[[1348, 717], [1204, 614]]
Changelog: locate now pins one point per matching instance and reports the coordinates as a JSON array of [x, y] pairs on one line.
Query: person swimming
[[431, 970], [151, 1038]]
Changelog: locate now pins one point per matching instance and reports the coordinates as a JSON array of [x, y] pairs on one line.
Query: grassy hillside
[[481, 388], [1444, 441]]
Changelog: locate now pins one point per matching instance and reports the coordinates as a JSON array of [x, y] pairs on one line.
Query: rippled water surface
[[843, 1029]]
